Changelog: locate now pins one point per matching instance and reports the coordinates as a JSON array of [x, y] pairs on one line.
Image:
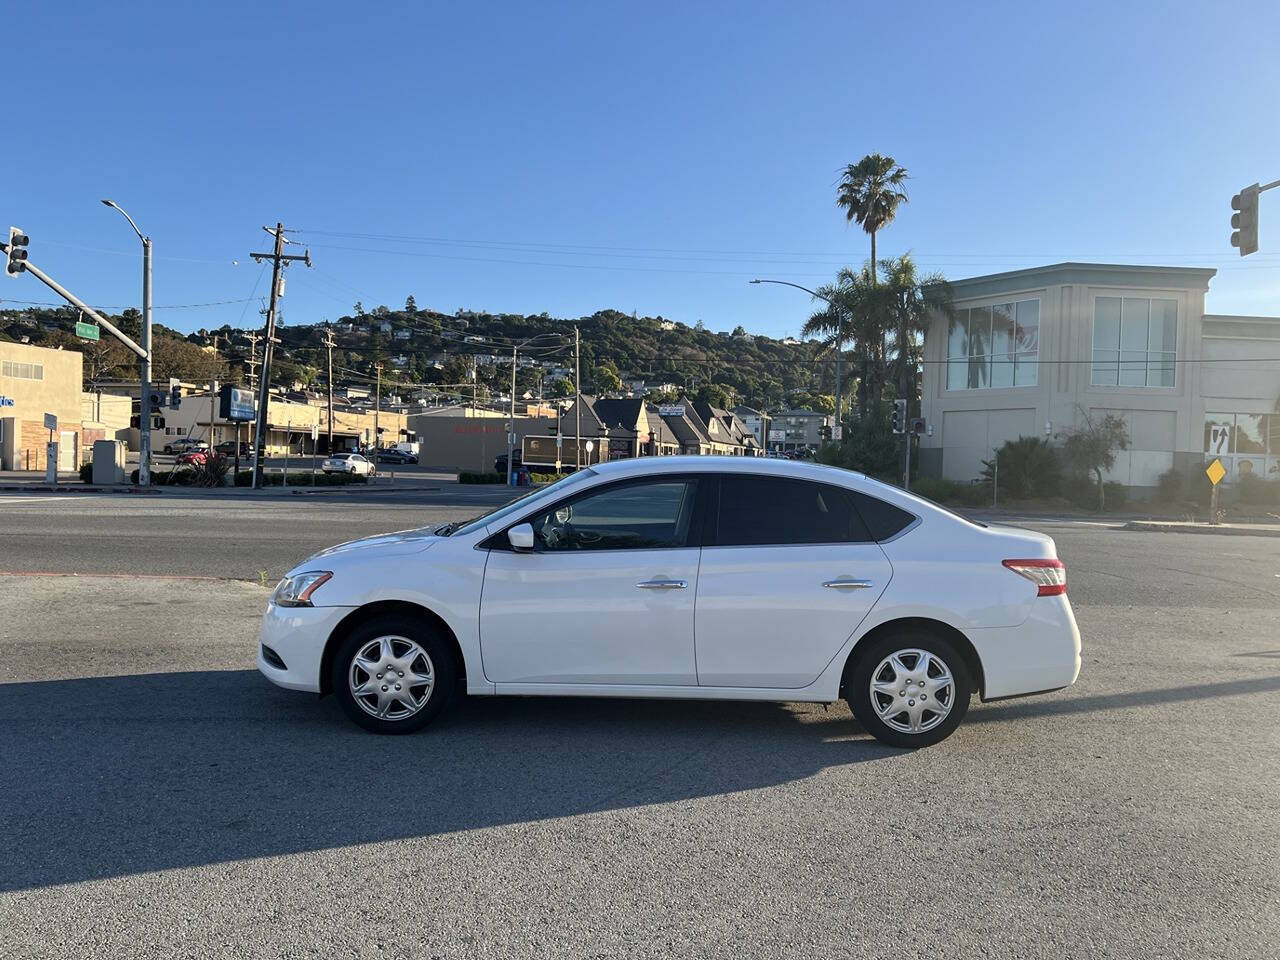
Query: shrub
[[468, 476], [1258, 491], [869, 446], [1028, 468], [1116, 494], [950, 492], [212, 472], [1170, 486], [299, 478], [546, 477]]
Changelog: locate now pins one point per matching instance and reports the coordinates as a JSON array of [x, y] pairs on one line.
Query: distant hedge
[[299, 479], [467, 476]]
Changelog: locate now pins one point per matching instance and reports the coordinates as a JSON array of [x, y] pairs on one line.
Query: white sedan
[[346, 463], [689, 577]]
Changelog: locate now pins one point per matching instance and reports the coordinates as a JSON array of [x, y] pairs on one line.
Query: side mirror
[[521, 537]]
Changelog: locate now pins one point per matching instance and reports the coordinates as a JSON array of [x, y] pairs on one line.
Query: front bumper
[[298, 636], [1040, 654]]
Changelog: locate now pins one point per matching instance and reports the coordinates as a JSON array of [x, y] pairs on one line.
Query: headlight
[[296, 591]]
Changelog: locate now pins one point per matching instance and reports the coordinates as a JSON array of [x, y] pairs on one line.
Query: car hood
[[385, 544]]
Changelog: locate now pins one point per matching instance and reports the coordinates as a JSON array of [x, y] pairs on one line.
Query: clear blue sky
[[572, 157]]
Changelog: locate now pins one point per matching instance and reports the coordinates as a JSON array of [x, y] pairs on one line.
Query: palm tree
[[870, 192], [911, 301], [854, 316]]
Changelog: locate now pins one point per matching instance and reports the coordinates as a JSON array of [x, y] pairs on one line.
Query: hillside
[[421, 347]]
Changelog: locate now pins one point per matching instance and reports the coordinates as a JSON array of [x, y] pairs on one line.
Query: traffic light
[[17, 261], [1244, 223], [175, 396], [900, 416], [824, 431], [917, 426]]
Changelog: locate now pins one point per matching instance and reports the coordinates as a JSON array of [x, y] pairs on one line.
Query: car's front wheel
[[394, 674], [910, 689]]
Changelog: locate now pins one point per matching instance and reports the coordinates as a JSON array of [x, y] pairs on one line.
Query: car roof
[[647, 466]]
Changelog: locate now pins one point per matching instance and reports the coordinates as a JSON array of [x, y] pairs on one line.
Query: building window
[[1248, 444], [1134, 342], [22, 371], [995, 346]]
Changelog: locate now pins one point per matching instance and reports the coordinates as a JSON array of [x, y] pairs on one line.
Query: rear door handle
[[662, 584], [848, 584]]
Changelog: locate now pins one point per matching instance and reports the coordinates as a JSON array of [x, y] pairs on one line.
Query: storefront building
[[34, 382]]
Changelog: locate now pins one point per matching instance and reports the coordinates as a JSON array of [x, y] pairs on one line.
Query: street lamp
[[144, 393], [839, 332]]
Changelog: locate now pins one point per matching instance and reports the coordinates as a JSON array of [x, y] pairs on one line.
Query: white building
[[1030, 350]]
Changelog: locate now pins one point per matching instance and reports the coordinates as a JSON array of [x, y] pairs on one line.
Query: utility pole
[[213, 393], [577, 400], [511, 427], [377, 409], [328, 343], [252, 362], [278, 260]]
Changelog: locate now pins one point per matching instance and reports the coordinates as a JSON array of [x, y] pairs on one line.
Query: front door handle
[[662, 584], [848, 584]]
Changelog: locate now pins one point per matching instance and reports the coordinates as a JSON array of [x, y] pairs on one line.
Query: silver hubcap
[[912, 690], [391, 678]]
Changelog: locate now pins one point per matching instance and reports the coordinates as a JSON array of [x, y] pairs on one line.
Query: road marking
[[59, 498], [123, 576]]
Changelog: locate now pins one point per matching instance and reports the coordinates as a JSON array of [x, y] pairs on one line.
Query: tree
[[1025, 468], [870, 192], [605, 378], [855, 316], [562, 388], [1092, 447], [410, 305]]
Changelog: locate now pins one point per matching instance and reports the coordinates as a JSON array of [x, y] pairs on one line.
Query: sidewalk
[[1233, 529]]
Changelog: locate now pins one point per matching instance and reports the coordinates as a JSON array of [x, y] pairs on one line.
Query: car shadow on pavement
[[121, 775]]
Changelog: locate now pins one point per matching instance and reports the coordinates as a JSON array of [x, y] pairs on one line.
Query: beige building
[[35, 381], [1030, 352]]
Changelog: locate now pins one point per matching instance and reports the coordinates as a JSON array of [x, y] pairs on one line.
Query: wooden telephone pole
[[279, 260], [328, 343], [377, 409]]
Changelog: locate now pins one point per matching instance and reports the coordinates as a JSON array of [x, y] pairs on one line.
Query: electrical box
[[109, 461]]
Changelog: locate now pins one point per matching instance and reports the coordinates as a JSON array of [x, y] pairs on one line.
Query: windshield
[[495, 516]]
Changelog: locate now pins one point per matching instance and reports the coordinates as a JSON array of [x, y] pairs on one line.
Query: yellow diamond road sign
[[1216, 471]]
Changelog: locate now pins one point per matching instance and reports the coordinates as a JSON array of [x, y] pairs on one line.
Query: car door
[[605, 596], [788, 571]]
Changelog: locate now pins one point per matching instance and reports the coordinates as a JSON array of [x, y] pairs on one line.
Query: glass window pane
[[979, 331], [1249, 437], [1002, 345], [634, 516], [1106, 368], [1273, 429], [1027, 339], [1106, 323], [775, 510], [1160, 369], [1133, 324], [1164, 326], [957, 374], [979, 372], [883, 520], [1217, 433], [1026, 370], [958, 335], [1133, 368]]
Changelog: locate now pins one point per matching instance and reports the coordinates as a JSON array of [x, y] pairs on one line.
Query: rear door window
[[764, 511]]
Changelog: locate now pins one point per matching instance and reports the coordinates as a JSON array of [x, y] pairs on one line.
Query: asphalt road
[[158, 796]]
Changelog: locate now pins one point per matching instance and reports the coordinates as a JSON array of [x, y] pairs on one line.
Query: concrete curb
[[1222, 529]]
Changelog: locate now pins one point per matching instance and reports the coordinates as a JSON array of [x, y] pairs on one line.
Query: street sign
[[777, 436], [236, 404], [837, 432], [51, 421], [1219, 438], [315, 432], [87, 331], [1215, 472]]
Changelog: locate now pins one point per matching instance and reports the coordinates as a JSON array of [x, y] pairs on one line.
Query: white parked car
[[689, 577], [185, 445], [346, 463]]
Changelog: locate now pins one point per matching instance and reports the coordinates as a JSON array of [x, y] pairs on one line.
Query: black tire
[[443, 663], [858, 688]]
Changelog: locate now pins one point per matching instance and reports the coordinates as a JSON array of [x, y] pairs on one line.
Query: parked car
[[392, 455], [813, 584], [346, 463], [228, 448], [193, 458], [183, 444], [500, 461]]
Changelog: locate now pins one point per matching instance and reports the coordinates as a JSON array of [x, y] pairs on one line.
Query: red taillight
[[1049, 576]]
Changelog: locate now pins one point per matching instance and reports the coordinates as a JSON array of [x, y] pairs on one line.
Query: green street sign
[[87, 331]]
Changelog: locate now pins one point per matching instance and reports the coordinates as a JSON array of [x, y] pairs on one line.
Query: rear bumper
[[298, 636], [1041, 654]]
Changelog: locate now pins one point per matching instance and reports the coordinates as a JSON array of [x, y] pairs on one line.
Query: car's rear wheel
[[910, 689], [394, 674]]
